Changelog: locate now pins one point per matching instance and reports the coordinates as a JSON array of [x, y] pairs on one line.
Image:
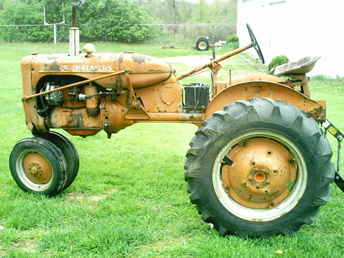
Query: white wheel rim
[[261, 215], [202, 45]]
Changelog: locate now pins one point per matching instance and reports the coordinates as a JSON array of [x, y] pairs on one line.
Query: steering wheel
[[255, 44]]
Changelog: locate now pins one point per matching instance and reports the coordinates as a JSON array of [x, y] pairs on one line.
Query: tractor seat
[[302, 66]]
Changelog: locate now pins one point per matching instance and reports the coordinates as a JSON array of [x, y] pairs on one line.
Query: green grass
[[130, 199]]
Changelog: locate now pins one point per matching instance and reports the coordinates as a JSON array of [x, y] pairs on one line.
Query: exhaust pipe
[[74, 41], [74, 32]]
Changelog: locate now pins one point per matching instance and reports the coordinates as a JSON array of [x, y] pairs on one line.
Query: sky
[[297, 29]]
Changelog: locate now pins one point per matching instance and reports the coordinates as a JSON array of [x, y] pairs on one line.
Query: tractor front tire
[[259, 168], [38, 166], [69, 151]]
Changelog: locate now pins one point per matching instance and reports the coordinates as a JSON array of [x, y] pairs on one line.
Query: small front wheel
[[69, 151], [259, 168], [38, 166]]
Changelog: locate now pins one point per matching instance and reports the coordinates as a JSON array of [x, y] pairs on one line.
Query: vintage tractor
[[258, 165]]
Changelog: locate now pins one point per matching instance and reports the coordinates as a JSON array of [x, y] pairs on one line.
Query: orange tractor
[[258, 165]]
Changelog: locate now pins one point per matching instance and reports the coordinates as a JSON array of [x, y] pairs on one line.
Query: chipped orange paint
[[145, 70], [261, 174], [37, 168], [146, 91], [266, 89]]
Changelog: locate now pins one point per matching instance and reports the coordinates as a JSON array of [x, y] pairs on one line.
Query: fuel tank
[[142, 70]]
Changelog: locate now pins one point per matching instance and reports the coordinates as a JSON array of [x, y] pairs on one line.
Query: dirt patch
[[95, 197], [100, 197], [2, 253], [75, 196], [91, 200], [26, 246]]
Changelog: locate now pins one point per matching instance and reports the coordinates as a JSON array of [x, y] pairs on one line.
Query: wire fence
[[167, 34]]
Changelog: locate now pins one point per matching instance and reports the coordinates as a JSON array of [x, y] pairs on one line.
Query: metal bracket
[[339, 181], [336, 133]]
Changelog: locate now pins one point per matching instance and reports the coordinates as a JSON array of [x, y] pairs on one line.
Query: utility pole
[[201, 10], [174, 11]]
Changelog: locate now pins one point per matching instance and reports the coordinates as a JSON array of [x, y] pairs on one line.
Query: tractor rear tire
[[69, 151], [259, 168], [38, 166]]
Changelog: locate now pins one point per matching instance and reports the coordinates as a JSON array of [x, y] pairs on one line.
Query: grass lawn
[[130, 198]]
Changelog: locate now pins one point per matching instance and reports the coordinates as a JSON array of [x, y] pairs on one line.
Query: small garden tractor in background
[[259, 164], [202, 44]]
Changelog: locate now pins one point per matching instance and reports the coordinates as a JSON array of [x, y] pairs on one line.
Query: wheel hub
[[37, 169], [261, 175], [202, 45]]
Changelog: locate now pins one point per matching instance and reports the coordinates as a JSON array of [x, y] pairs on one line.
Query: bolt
[[291, 161], [242, 144], [34, 170]]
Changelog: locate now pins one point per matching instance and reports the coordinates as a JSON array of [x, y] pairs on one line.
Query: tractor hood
[[143, 70]]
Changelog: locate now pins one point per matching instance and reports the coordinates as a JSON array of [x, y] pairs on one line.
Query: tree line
[[112, 20]]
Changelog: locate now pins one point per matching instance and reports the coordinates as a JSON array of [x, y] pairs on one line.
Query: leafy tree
[[117, 20], [113, 20], [24, 12]]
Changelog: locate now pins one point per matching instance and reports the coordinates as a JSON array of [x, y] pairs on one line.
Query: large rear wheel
[[259, 168]]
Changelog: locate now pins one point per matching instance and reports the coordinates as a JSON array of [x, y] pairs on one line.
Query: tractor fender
[[266, 89]]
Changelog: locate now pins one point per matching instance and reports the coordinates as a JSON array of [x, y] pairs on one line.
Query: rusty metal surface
[[261, 175], [140, 72], [144, 70], [261, 89], [37, 169], [32, 119], [92, 101], [134, 88], [220, 86], [76, 84], [165, 97], [256, 77], [299, 81], [160, 103], [73, 119]]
